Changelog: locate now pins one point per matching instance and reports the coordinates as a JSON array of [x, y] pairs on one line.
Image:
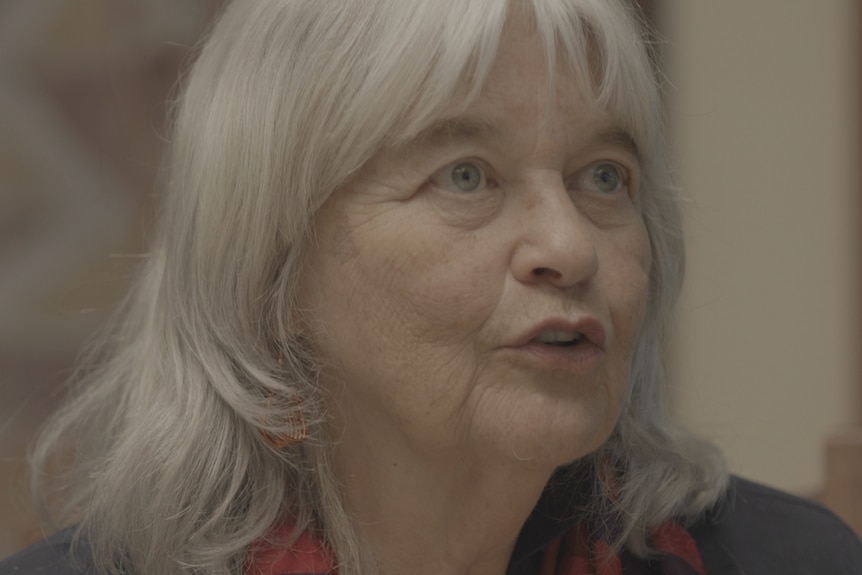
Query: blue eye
[[607, 177], [461, 177]]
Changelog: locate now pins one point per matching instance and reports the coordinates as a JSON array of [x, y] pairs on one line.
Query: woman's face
[[480, 290]]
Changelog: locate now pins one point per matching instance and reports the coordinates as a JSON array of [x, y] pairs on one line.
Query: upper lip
[[589, 327]]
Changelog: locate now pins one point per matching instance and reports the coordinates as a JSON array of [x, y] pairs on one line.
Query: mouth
[[558, 344], [557, 338], [558, 333]]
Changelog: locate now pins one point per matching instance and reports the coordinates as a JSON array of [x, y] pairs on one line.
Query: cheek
[[443, 284], [643, 270], [417, 299], [411, 293], [629, 283]]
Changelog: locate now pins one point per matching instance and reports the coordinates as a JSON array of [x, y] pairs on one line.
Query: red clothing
[[753, 531], [305, 556], [574, 553]]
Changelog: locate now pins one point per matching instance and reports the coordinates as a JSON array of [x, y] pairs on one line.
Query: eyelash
[[583, 180], [440, 177], [586, 178]]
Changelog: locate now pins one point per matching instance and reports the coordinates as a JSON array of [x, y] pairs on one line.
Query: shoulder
[[756, 529], [57, 555]]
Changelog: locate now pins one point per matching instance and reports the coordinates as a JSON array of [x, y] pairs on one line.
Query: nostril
[[554, 262], [545, 271]]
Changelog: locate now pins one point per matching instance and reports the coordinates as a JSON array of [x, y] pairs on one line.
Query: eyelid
[[438, 178], [629, 176]]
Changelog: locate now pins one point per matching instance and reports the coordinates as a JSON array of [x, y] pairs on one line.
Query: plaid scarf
[[576, 552]]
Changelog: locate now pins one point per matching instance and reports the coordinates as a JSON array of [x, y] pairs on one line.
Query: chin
[[550, 443]]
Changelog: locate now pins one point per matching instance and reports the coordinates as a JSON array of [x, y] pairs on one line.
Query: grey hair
[[159, 455]]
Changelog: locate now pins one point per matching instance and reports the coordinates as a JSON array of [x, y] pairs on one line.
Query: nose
[[556, 243]]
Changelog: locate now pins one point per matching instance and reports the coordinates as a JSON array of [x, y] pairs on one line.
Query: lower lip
[[579, 358]]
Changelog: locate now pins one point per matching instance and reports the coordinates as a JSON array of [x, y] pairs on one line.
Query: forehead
[[521, 78], [521, 84]]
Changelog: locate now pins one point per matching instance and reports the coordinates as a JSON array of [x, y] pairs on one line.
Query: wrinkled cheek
[[640, 268], [630, 289], [634, 324], [450, 301], [640, 297]]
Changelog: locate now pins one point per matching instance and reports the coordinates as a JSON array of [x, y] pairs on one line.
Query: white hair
[[163, 463]]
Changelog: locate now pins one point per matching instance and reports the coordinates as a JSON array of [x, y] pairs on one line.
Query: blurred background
[[764, 104], [763, 100], [84, 91]]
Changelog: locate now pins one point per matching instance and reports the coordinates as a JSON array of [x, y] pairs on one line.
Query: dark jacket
[[754, 531]]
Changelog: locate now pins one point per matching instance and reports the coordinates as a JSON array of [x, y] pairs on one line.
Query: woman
[[404, 315]]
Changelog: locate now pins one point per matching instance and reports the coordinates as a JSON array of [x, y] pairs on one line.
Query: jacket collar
[[561, 505]]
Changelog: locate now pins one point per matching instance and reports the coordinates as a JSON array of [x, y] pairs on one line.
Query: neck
[[443, 513]]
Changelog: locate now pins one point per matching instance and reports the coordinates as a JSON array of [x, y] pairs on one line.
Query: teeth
[[559, 337]]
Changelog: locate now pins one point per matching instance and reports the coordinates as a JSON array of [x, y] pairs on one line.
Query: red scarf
[[574, 553]]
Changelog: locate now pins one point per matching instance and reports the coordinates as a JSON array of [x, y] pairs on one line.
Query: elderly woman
[[404, 314]]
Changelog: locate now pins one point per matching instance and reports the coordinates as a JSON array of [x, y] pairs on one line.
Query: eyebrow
[[463, 129], [458, 130], [620, 138]]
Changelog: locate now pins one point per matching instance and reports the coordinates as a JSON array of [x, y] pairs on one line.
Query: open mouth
[[560, 338]]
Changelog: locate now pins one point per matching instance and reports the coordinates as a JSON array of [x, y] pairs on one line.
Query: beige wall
[[763, 111]]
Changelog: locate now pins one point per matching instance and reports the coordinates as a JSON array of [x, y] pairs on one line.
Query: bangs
[[599, 42], [379, 72], [624, 83], [462, 49]]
